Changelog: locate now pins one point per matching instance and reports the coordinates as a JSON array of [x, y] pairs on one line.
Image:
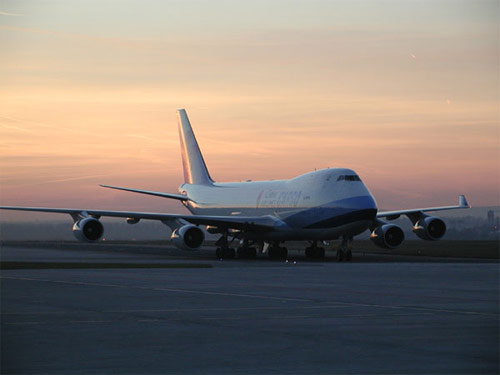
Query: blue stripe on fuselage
[[335, 213]]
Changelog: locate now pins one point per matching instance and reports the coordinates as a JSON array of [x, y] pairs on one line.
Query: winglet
[[462, 201]]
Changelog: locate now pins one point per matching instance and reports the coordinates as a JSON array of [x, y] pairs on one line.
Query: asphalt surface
[[376, 315]]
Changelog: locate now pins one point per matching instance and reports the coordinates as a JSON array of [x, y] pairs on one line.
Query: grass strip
[[7, 265]]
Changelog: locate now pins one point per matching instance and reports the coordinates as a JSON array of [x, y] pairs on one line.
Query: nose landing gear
[[344, 252]]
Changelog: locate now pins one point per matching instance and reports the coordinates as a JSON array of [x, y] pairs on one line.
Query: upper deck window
[[352, 177]]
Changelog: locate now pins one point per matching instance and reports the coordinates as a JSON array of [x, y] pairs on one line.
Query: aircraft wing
[[267, 222], [391, 215]]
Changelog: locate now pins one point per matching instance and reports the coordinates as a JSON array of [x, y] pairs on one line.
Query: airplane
[[319, 206]]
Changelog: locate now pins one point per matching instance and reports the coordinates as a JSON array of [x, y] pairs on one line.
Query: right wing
[[263, 223], [391, 215]]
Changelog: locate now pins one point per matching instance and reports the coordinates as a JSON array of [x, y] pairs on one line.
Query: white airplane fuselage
[[323, 204]]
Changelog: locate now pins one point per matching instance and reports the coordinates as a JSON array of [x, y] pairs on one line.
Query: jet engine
[[88, 229], [429, 228], [388, 236], [188, 237]]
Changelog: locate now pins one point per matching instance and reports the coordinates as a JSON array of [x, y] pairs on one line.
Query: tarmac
[[375, 315]]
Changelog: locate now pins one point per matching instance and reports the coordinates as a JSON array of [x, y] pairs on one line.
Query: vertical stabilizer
[[195, 169]]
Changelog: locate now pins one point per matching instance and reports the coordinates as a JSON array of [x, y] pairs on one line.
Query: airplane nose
[[365, 202], [368, 206]]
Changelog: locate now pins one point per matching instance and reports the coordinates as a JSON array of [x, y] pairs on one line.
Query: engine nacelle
[[88, 229], [188, 237], [430, 228], [388, 236]]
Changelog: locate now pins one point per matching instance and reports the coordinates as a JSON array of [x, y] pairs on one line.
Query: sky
[[406, 93]]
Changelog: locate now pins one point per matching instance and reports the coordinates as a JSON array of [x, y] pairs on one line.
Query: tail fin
[[195, 169]]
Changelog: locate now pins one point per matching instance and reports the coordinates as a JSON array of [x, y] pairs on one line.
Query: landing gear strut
[[315, 252], [223, 250], [345, 250]]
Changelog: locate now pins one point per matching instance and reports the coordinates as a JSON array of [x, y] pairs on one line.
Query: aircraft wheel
[[340, 255], [348, 255]]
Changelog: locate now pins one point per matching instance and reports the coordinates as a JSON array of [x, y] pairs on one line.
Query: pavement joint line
[[256, 296], [431, 309], [234, 294], [221, 318], [287, 307], [161, 289]]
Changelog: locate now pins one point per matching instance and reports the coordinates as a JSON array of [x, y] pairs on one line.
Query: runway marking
[[431, 309]]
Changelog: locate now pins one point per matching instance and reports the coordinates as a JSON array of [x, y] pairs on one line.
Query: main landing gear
[[245, 251], [344, 252], [315, 252], [224, 251], [275, 251]]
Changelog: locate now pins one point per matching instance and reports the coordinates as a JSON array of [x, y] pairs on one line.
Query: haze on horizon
[[405, 93]]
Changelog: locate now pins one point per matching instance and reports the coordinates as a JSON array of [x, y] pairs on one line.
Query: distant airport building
[[493, 223], [491, 217]]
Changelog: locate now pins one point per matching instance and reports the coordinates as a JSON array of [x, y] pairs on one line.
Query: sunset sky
[[404, 92]]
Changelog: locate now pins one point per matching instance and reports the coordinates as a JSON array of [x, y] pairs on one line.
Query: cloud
[[82, 37], [10, 14]]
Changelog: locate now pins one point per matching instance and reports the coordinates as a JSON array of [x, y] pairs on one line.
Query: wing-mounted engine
[[388, 236], [428, 228], [88, 229], [188, 237]]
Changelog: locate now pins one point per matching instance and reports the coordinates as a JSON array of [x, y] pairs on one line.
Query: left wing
[[392, 215], [265, 223]]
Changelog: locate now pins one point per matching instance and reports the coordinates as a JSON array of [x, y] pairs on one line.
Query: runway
[[377, 315]]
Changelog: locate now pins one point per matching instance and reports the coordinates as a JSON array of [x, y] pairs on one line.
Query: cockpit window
[[352, 177]]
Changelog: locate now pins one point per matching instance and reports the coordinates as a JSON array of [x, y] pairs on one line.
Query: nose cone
[[369, 202], [365, 204]]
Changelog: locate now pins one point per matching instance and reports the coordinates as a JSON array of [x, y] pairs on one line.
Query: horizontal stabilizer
[[155, 193]]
